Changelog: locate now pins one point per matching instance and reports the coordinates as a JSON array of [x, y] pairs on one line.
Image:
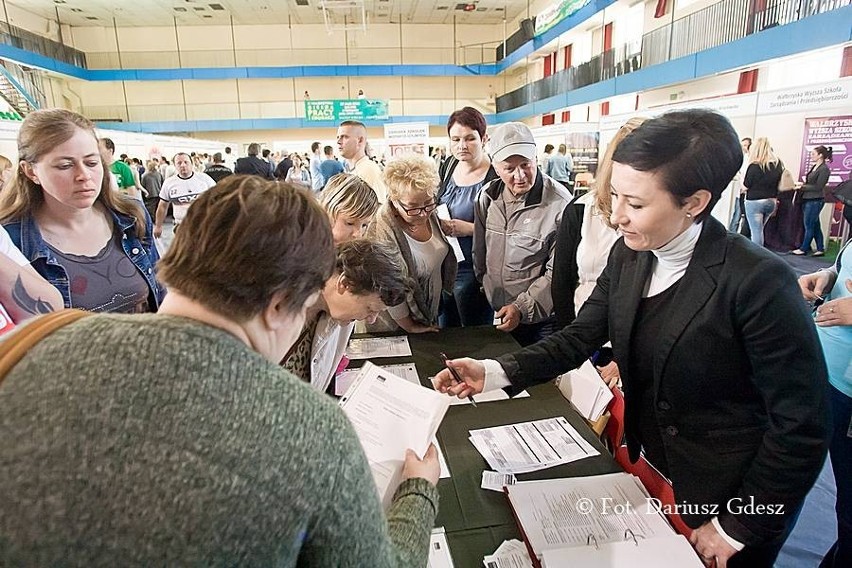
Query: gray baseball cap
[[511, 139]]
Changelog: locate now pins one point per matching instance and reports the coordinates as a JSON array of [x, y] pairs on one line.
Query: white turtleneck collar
[[672, 259]]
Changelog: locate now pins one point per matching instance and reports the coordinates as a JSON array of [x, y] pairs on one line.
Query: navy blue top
[[330, 168]]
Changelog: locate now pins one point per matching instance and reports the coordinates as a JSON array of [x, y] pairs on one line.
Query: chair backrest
[[657, 486], [615, 427]]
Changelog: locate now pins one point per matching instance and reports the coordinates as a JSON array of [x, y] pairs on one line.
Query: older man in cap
[[514, 235]]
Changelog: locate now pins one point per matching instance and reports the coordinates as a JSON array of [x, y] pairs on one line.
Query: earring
[[689, 215]]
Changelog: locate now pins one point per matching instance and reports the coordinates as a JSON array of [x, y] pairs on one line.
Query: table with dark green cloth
[[477, 520]]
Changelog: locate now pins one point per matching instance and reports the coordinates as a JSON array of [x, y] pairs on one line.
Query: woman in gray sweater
[[205, 453]]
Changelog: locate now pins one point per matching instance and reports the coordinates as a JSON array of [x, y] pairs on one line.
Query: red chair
[[657, 485]]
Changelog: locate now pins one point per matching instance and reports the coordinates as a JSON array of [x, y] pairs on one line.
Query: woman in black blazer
[[724, 379]]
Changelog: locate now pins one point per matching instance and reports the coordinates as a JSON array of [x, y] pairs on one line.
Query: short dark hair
[[328, 151], [690, 150], [266, 152], [217, 158], [470, 117], [247, 239], [353, 123], [227, 149], [253, 149], [548, 148], [370, 267], [314, 146], [109, 144]]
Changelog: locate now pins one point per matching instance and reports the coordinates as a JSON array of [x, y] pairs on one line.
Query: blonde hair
[[603, 177], [4, 163], [411, 172], [42, 131], [347, 194], [761, 153]]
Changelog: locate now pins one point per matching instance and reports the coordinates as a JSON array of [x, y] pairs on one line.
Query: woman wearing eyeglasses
[[407, 221]]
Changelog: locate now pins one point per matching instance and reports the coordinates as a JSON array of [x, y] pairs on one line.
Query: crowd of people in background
[[277, 256]]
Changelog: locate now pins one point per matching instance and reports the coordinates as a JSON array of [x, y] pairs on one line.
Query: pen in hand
[[455, 375]]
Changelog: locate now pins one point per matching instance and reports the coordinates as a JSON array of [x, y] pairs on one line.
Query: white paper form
[[560, 513], [490, 396], [444, 214], [375, 347], [439, 550], [510, 554], [390, 415], [531, 446], [344, 379], [673, 550]]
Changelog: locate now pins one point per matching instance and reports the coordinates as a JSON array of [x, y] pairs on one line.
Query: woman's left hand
[[836, 312], [711, 547], [610, 374]]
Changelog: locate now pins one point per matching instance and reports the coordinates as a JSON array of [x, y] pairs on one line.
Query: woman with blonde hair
[[351, 205], [94, 245], [6, 171], [407, 221], [583, 242], [760, 185]]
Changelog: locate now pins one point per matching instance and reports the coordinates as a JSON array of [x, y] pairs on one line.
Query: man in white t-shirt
[[180, 190], [352, 142]]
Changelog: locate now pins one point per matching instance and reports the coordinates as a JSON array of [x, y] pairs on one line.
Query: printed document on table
[[390, 415], [641, 553], [531, 446], [574, 511], [511, 554], [490, 396], [439, 550], [375, 347], [443, 213], [344, 379]]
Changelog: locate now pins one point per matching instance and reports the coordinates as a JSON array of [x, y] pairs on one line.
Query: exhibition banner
[[834, 131], [346, 109], [557, 12], [406, 138]]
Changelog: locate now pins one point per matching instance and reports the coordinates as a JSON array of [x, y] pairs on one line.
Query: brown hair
[[470, 117], [370, 267], [348, 194], [42, 131], [602, 197], [245, 240]]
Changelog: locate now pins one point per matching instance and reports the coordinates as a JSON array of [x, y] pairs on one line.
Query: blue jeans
[[468, 304], [840, 453], [813, 231], [757, 213]]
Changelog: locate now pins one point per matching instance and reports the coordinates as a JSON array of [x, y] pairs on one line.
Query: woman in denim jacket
[[94, 245]]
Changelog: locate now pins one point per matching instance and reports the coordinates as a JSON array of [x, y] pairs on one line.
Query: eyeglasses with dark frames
[[415, 211]]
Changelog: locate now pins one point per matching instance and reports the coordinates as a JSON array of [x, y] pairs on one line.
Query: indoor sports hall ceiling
[[210, 12]]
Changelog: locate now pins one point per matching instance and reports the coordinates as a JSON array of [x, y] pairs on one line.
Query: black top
[[763, 183], [651, 317], [218, 171], [252, 165]]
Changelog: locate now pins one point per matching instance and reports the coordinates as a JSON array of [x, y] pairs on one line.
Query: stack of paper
[[439, 550], [443, 213], [510, 554], [586, 391], [531, 446], [374, 347], [344, 379], [390, 415], [568, 521]]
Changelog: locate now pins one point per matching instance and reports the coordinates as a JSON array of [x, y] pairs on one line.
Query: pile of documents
[[390, 415], [586, 391], [531, 446], [510, 554], [375, 347], [598, 521]]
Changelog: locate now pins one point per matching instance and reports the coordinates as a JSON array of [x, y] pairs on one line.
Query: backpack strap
[[16, 346]]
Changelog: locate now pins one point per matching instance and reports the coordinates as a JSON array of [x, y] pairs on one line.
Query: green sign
[[556, 13], [347, 109]]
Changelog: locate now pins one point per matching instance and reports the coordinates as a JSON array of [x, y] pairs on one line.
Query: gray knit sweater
[[154, 440]]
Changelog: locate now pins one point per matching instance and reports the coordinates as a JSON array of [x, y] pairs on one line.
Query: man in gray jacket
[[515, 224]]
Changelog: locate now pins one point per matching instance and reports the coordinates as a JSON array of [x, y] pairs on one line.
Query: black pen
[[455, 375]]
